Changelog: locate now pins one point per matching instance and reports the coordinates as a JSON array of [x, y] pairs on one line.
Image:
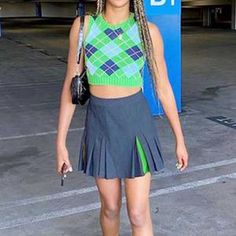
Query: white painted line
[[96, 205], [71, 193], [191, 185], [196, 168], [34, 200], [19, 106], [47, 216], [26, 84], [36, 134]]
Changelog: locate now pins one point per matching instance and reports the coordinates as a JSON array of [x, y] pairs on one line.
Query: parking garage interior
[[33, 58]]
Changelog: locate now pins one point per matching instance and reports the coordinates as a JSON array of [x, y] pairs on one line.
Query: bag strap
[[80, 39]]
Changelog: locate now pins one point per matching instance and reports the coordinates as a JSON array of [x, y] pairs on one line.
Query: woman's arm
[[166, 95], [67, 108]]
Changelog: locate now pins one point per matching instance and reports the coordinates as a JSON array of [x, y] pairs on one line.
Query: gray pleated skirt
[[120, 139]]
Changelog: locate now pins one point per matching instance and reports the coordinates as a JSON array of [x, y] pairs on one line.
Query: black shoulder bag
[[79, 85]]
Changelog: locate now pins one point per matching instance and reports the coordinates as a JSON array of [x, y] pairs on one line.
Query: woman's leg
[[110, 193], [138, 206]]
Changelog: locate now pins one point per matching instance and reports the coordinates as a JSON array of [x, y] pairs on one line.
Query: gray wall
[[205, 2], [17, 9], [58, 10], [233, 24], [48, 9]]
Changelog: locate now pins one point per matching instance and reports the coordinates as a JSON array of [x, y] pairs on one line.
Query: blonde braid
[[100, 6], [146, 41]]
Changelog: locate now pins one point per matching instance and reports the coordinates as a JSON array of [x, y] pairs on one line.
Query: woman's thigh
[[137, 194], [110, 192]]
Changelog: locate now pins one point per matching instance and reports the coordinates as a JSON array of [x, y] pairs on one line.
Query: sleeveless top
[[114, 54]]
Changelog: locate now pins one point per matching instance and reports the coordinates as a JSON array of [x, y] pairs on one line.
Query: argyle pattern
[[109, 59]]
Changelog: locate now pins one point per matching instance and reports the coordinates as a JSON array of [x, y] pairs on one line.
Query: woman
[[120, 139]]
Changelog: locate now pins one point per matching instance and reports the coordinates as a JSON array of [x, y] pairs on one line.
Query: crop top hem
[[127, 83], [118, 85]]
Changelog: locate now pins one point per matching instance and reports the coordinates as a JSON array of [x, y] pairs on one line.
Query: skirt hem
[[121, 177]]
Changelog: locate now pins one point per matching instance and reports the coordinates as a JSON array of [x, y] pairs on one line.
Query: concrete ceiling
[[190, 3], [205, 2], [59, 1]]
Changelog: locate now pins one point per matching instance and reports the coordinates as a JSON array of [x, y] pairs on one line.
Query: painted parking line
[[50, 197], [191, 185], [96, 205], [75, 192], [37, 134], [197, 168]]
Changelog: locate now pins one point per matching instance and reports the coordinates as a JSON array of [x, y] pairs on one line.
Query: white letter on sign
[[158, 2], [161, 2]]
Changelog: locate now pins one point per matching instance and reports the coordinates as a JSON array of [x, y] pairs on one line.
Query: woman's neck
[[116, 16]]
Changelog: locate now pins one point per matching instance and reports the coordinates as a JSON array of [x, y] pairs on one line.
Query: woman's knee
[[138, 216], [111, 211], [110, 195]]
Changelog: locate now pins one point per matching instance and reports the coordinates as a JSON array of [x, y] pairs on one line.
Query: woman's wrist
[[60, 143], [180, 141]]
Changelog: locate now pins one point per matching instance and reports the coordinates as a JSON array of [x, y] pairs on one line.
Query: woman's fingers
[[63, 162], [68, 166], [182, 157], [59, 166], [184, 162]]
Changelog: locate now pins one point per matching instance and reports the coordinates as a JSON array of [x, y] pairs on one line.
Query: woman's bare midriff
[[110, 91]]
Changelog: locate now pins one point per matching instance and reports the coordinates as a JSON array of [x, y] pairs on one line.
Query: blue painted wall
[[166, 14]]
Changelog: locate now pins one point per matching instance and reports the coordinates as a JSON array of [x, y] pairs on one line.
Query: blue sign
[[166, 14], [157, 7]]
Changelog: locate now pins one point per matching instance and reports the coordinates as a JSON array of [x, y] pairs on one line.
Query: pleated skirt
[[120, 138]]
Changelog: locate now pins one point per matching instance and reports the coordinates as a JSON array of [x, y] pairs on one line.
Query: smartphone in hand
[[63, 175]]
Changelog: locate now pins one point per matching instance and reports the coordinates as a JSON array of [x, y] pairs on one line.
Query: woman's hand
[[63, 157], [182, 156]]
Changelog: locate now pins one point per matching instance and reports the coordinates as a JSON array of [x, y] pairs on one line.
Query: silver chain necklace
[[119, 35]]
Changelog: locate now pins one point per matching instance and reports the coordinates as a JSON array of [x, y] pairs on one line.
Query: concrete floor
[[199, 201]]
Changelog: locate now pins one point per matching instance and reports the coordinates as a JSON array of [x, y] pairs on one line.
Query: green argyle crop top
[[113, 52]]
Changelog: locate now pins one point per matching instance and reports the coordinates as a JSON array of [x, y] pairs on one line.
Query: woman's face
[[118, 3]]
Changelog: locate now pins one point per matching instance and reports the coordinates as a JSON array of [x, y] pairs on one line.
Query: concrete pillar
[[38, 9], [80, 9], [233, 25], [206, 17], [0, 22]]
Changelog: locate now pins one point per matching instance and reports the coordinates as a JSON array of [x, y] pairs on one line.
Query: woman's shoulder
[[154, 30], [77, 21], [90, 17], [155, 35]]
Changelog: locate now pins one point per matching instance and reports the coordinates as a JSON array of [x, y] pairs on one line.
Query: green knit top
[[114, 54]]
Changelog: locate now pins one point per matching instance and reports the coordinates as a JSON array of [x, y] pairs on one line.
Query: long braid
[[146, 41], [98, 6]]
